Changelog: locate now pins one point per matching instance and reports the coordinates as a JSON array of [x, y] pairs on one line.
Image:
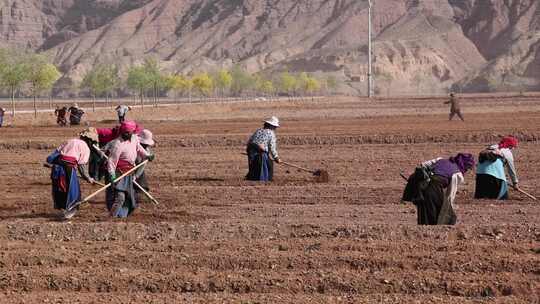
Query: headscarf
[[128, 126], [508, 142], [464, 161], [106, 134], [90, 133]]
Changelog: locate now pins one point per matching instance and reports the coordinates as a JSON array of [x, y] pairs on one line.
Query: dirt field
[[216, 238]]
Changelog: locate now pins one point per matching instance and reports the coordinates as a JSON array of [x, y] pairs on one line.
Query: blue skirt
[[66, 189], [260, 165]]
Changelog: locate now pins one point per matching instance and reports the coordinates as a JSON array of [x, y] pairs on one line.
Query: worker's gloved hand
[[278, 160], [91, 181], [516, 187], [151, 157], [112, 177]]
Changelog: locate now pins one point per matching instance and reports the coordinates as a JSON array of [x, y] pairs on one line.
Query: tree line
[[34, 75]]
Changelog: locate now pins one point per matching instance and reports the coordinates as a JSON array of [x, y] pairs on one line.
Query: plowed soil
[[216, 238]]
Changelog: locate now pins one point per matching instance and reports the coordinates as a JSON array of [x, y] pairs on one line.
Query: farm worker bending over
[[455, 109], [61, 116], [123, 153], [259, 147], [122, 110], [75, 115], [146, 138], [66, 160], [106, 135], [433, 187], [490, 176]]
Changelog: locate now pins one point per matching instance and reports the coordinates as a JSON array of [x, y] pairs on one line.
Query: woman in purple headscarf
[[433, 187]]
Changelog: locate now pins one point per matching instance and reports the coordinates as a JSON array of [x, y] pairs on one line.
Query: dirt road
[[219, 239]]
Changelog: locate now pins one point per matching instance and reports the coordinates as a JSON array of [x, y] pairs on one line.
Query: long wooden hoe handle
[[527, 194], [290, 165], [297, 167], [89, 197], [134, 182], [146, 193]]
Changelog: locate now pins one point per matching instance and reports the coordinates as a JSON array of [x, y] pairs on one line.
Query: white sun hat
[[273, 121], [146, 137]]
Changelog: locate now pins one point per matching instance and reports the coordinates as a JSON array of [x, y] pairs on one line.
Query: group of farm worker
[[100, 153], [433, 186], [74, 112], [109, 153]]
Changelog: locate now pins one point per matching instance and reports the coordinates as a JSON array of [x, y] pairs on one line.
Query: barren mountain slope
[[41, 24], [420, 46], [326, 36], [508, 34]]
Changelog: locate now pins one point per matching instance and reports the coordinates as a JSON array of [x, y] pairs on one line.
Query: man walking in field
[[122, 110], [455, 108]]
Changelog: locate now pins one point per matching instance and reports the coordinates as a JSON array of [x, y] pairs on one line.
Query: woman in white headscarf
[[261, 145]]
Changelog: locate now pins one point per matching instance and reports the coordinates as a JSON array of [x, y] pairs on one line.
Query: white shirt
[[122, 110], [508, 160]]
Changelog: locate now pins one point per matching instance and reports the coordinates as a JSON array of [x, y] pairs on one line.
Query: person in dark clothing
[[75, 115], [260, 146], [433, 186], [2, 112], [60, 114], [455, 108]]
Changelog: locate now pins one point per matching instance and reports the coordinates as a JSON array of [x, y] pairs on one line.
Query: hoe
[[321, 176]]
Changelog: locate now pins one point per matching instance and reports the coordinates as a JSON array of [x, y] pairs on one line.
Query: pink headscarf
[[128, 126]]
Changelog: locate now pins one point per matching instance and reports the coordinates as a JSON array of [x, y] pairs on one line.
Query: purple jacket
[[445, 168]]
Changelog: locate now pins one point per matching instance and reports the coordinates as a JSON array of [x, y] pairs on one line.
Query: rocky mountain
[[421, 46]]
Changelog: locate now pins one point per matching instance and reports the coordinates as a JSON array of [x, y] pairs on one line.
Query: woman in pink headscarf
[[123, 153], [491, 182], [106, 135]]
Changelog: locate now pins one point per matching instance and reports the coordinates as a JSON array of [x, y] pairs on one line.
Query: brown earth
[[216, 238]]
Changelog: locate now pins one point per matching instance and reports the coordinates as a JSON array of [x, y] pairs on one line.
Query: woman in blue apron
[[262, 150]]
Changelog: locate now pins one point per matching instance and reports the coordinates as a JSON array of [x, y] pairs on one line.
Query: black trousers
[[427, 197]]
